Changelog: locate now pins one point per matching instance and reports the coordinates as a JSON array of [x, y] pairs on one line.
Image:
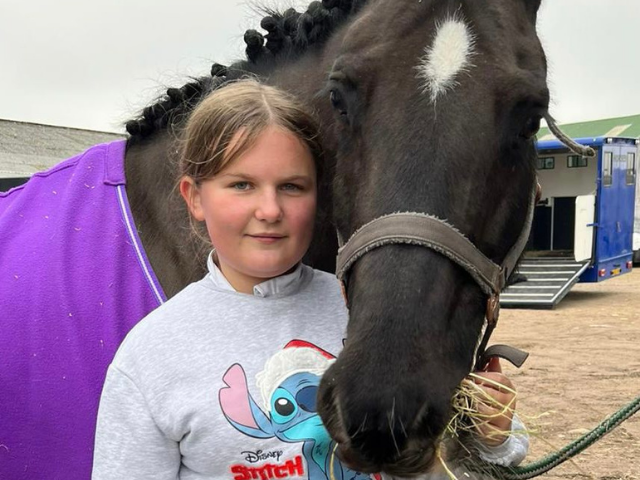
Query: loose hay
[[467, 420], [466, 416]]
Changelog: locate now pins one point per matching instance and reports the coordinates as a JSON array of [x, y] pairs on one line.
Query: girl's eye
[[241, 185], [291, 187]]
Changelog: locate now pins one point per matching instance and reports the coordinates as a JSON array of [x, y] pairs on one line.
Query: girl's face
[[259, 210]]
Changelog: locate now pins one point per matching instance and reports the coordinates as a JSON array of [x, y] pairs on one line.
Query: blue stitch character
[[288, 385]]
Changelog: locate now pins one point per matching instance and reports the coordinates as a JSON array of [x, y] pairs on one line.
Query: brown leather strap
[[426, 231], [431, 232], [511, 259]]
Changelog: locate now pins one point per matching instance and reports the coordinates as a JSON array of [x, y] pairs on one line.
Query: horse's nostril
[[354, 461], [412, 463], [375, 447], [408, 463]]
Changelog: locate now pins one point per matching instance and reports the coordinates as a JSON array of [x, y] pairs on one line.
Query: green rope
[[553, 460]]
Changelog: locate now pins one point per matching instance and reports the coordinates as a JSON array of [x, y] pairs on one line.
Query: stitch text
[[269, 471]]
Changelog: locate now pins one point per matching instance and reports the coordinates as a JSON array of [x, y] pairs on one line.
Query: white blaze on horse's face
[[449, 55]]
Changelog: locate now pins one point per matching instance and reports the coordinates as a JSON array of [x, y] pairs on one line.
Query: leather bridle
[[436, 234]]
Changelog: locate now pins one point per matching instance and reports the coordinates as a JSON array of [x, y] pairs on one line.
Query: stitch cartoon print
[[288, 386]]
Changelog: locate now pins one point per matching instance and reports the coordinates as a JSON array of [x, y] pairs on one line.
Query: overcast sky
[[94, 63]]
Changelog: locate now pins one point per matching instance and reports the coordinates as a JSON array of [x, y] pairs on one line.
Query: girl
[[221, 381]]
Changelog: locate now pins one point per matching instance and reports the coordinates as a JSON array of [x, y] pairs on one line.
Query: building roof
[[27, 148], [610, 127]]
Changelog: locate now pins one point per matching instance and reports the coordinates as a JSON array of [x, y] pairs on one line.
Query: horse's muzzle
[[366, 445], [408, 463]]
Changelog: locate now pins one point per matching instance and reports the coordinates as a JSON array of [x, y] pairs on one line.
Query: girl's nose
[[269, 208]]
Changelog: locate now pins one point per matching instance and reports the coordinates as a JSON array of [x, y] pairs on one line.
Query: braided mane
[[289, 35]]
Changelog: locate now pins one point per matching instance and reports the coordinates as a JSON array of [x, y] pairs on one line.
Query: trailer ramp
[[548, 281]]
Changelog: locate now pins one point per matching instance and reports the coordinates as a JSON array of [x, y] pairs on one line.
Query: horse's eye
[[337, 101], [531, 128], [284, 406]]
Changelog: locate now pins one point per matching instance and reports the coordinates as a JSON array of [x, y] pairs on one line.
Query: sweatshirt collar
[[280, 286]]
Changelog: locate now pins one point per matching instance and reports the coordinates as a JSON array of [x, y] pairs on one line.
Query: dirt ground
[[584, 366]]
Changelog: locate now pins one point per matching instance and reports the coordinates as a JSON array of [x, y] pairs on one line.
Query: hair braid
[[288, 32], [255, 45], [290, 22], [175, 102], [322, 24], [277, 39], [218, 70]]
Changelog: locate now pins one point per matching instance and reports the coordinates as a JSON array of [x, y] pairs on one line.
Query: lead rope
[[554, 459]]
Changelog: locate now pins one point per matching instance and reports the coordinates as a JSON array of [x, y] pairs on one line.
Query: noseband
[[434, 233]]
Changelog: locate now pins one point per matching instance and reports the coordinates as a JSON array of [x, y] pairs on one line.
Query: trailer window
[[631, 168], [607, 166], [576, 161], [546, 163]]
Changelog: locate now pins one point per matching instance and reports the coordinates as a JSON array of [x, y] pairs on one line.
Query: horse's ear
[[532, 7]]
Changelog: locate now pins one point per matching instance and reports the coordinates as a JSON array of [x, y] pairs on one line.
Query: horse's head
[[436, 103]]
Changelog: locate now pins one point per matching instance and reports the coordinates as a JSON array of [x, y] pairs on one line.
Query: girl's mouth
[[267, 238]]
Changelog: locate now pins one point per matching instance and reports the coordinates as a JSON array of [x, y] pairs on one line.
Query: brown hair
[[248, 107]]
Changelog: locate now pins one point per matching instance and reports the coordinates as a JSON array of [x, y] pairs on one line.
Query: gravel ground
[[584, 366]]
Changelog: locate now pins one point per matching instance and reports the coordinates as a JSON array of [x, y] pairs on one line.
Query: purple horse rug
[[74, 280]]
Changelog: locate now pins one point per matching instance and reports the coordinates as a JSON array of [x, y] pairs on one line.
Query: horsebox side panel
[[614, 215], [636, 223], [628, 197]]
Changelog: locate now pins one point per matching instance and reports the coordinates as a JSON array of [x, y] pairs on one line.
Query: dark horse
[[426, 106]]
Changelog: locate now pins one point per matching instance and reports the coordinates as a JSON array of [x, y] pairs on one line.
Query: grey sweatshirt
[[216, 384]]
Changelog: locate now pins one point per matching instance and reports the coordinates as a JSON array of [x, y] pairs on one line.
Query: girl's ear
[[191, 194]]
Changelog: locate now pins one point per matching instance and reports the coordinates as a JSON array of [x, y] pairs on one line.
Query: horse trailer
[[583, 226]]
